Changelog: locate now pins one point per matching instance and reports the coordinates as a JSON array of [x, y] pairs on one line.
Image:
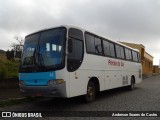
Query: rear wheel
[[91, 92], [131, 87]]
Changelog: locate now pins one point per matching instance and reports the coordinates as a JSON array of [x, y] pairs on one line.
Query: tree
[[16, 49], [10, 54]]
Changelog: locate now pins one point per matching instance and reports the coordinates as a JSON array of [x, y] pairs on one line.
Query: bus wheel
[[91, 92], [131, 87]]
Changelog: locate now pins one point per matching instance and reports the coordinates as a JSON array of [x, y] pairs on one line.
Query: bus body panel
[[113, 75], [64, 74], [36, 84], [79, 80], [109, 76], [37, 78]]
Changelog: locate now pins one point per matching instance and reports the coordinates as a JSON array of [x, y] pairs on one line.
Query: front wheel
[[91, 92]]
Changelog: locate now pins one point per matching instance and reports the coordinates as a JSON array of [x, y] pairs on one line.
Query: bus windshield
[[44, 50]]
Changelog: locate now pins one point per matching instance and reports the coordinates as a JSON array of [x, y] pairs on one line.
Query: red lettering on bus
[[115, 63]]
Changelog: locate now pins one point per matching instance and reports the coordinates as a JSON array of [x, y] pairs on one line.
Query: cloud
[[134, 21], [5, 38]]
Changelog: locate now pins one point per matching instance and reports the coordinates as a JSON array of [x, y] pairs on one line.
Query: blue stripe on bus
[[39, 78]]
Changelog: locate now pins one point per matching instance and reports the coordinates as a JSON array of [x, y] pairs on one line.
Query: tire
[[131, 87], [91, 92]]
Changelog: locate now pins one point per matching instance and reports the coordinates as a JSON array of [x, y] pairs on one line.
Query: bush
[[2, 73], [9, 69]]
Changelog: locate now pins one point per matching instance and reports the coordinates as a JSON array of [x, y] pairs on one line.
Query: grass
[[3, 57], [8, 68], [11, 102]]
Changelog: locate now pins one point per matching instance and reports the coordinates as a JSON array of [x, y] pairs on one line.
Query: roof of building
[[149, 54], [133, 44], [137, 45]]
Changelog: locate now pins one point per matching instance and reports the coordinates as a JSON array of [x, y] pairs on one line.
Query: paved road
[[145, 97]]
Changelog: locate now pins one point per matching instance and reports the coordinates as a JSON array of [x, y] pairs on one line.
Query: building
[[156, 69], [146, 58]]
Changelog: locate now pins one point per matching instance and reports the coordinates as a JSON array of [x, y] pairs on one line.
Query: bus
[[68, 61]]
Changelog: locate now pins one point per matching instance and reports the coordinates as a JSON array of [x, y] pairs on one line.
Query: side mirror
[[70, 47]]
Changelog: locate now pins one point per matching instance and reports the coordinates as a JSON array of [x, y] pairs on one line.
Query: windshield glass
[[51, 47], [30, 46], [44, 49]]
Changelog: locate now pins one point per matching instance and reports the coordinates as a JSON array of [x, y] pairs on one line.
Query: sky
[[135, 21]]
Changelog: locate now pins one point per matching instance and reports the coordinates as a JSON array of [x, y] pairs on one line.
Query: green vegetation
[[11, 102], [8, 68]]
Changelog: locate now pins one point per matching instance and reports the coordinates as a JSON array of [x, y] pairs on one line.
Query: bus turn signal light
[[55, 82], [21, 82]]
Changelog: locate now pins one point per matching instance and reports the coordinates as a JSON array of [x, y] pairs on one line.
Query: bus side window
[[130, 55], [93, 44], [118, 51], [126, 54], [98, 45], [112, 50], [122, 52], [135, 56], [90, 43], [106, 48]]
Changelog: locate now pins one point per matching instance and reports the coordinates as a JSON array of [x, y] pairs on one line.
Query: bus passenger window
[[122, 52], [106, 48], [134, 54], [112, 50], [90, 43], [118, 51], [98, 46], [128, 54]]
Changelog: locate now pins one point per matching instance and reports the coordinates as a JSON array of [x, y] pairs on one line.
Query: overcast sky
[[136, 21]]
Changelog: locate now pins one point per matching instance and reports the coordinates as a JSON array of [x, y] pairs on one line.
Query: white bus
[[68, 61]]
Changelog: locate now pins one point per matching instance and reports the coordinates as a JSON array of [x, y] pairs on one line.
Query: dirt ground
[[9, 93]]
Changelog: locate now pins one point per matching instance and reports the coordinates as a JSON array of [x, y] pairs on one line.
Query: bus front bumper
[[45, 91]]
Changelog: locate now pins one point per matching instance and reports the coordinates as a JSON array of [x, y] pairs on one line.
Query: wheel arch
[[133, 78], [95, 80]]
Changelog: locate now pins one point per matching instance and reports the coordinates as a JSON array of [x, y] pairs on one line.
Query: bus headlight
[[55, 82], [21, 82]]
